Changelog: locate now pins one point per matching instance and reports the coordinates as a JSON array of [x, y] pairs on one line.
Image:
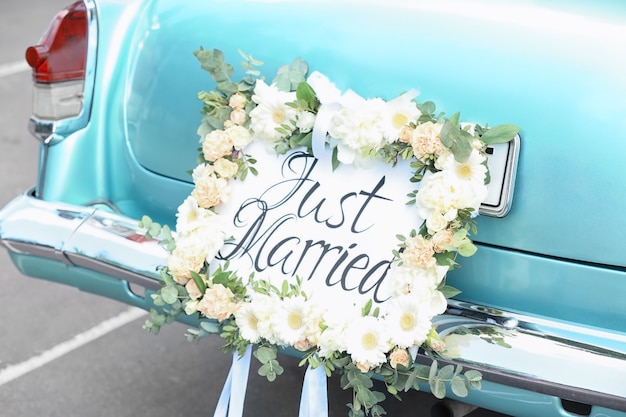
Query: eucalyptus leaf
[[500, 134], [169, 294], [459, 387]]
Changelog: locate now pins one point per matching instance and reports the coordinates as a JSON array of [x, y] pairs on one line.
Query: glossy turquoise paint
[[551, 79]]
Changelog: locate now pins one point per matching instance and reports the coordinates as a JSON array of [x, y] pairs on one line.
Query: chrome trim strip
[[82, 236], [536, 354], [573, 362]]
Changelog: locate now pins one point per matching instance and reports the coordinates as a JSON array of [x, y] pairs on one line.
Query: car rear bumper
[[534, 360]]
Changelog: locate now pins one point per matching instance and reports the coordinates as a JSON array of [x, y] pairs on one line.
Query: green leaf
[[438, 388], [265, 354], [199, 281], [467, 248], [473, 375], [169, 294], [459, 387], [500, 134], [446, 372], [457, 140], [449, 291]]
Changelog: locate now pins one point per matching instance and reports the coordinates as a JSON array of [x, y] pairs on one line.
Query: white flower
[[210, 190], [359, 124], [271, 111], [367, 341], [289, 321], [239, 136], [248, 322], [473, 169], [446, 194], [399, 112], [406, 280], [188, 215], [408, 321], [305, 121], [325, 90], [336, 320]]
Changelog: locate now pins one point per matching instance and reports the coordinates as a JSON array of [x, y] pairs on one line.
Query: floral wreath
[[447, 159]]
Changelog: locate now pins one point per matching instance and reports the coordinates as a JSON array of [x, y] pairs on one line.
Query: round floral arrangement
[[298, 110]]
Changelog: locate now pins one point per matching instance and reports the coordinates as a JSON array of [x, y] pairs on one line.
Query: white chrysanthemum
[[399, 112], [359, 124], [289, 321], [408, 321], [271, 111], [446, 194], [404, 280], [367, 341], [473, 169], [333, 337], [305, 121]]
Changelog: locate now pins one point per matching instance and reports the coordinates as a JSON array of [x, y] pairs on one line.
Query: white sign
[[334, 229]]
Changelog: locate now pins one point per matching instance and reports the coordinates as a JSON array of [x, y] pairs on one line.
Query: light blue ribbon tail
[[324, 116], [314, 400], [230, 403]]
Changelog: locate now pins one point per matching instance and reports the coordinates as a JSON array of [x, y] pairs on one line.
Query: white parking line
[[13, 68], [12, 372]]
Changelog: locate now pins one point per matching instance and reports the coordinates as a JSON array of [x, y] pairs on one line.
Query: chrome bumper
[[81, 236], [549, 357]]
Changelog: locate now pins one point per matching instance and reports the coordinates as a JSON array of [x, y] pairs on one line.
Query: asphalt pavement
[[67, 353]]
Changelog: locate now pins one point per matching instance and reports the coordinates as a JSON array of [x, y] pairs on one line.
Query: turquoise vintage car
[[116, 112]]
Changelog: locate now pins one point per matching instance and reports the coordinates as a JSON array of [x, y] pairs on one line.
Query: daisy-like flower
[[407, 322], [247, 320], [271, 111], [289, 320], [474, 169], [367, 341], [399, 113], [188, 215]]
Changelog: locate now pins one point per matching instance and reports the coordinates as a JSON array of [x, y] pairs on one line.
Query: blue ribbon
[[324, 116], [233, 394], [314, 400]]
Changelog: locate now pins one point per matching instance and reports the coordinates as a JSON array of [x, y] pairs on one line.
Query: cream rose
[[225, 168], [238, 116], [216, 144], [399, 357], [237, 101], [239, 136], [441, 240]]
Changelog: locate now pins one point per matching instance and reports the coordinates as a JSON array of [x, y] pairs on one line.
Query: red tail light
[[61, 55]]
